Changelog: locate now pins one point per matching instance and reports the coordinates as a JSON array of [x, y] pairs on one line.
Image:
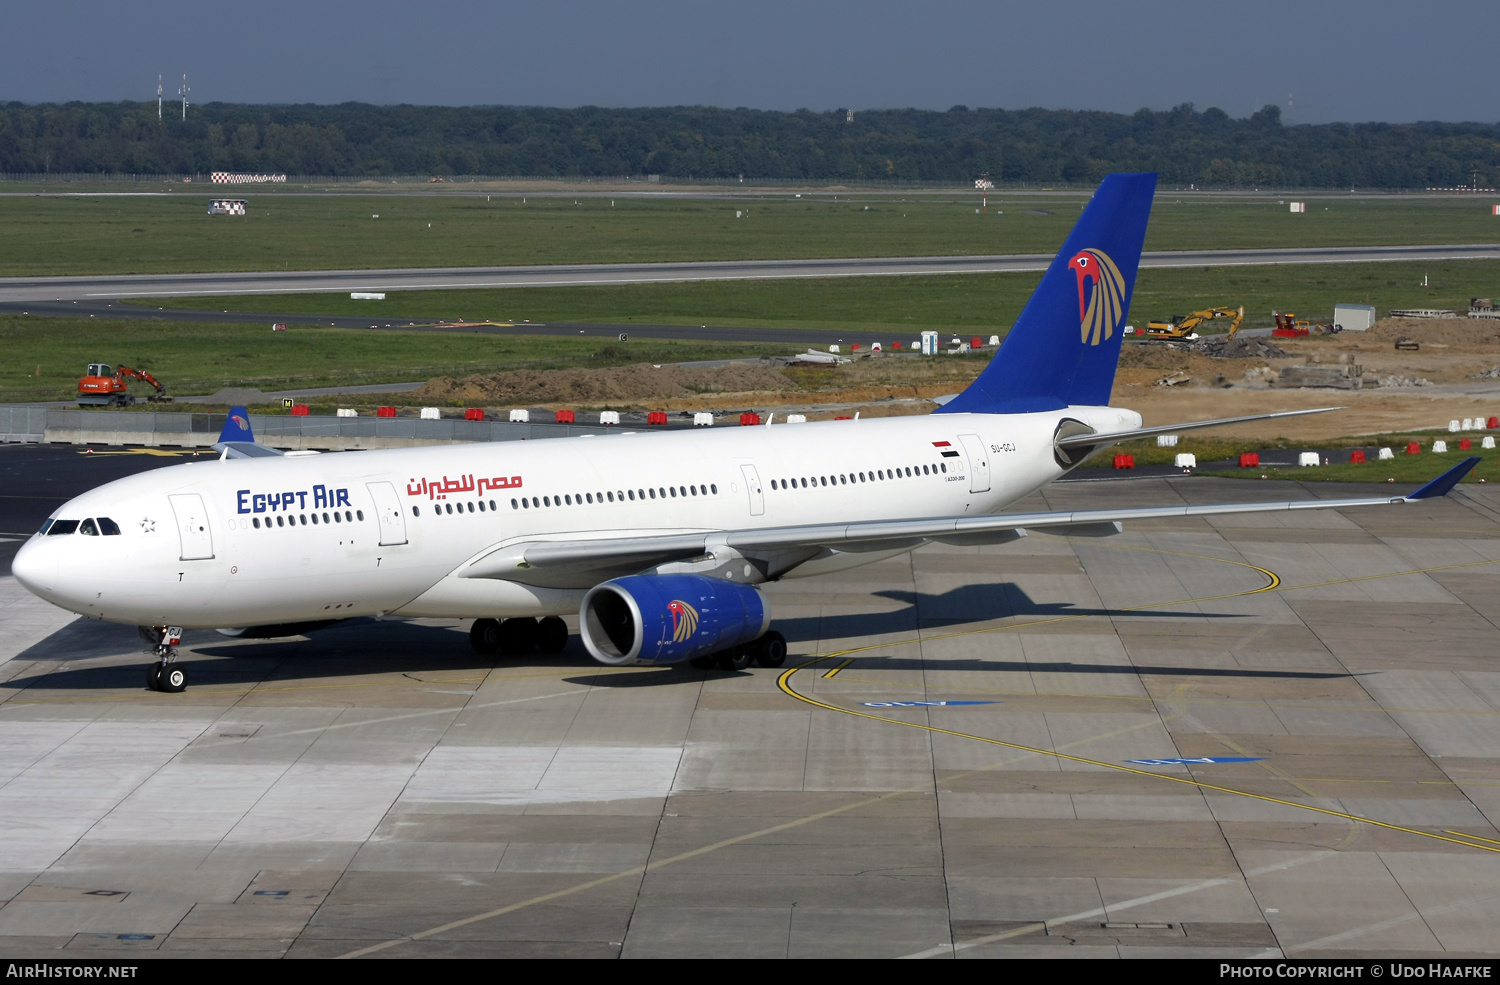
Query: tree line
[[1032, 146]]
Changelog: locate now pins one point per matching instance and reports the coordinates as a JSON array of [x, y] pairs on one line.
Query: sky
[[1319, 61]]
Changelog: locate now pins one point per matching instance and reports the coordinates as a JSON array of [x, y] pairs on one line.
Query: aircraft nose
[[35, 566]]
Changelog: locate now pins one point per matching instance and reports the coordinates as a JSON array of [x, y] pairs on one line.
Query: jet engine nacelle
[[664, 619]]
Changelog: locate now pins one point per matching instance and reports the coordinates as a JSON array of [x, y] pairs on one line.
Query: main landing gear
[[519, 636], [166, 674], [768, 651]]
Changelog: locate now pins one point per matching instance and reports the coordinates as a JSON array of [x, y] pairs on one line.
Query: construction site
[[1386, 383]]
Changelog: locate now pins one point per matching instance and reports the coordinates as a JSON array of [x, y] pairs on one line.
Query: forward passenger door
[[192, 527]]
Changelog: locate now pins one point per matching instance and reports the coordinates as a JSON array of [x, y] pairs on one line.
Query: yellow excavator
[[1185, 326]]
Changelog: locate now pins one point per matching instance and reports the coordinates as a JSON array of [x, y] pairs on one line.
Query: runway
[[108, 287], [794, 337], [968, 755]]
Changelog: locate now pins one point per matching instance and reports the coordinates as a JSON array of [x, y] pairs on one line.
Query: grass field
[[170, 232], [978, 303], [1403, 468], [195, 358]]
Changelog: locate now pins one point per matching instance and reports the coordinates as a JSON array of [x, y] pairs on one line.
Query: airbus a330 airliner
[[657, 541]]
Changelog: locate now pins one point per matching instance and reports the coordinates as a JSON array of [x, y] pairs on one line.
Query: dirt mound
[[527, 387], [1177, 355], [1239, 347], [1150, 355], [1446, 331]]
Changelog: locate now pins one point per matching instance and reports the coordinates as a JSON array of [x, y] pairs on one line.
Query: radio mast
[[183, 92], [158, 98]]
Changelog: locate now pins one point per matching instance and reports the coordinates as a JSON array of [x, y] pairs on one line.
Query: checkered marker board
[[226, 206], [234, 178]]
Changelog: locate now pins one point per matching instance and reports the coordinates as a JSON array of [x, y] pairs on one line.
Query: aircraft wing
[[574, 561]]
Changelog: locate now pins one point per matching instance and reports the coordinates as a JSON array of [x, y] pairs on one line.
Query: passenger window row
[[450, 507], [621, 496], [89, 528], [855, 478], [300, 519]]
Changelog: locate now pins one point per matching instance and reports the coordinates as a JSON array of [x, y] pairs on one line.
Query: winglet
[[1445, 482], [237, 428]]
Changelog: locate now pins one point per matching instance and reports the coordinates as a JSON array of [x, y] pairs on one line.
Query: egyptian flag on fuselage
[[946, 447]]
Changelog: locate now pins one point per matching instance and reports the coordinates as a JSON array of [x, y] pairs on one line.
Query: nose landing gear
[[165, 674]]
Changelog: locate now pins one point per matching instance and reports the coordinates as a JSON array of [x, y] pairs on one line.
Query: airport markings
[[925, 785], [1217, 702], [1112, 908], [924, 704], [837, 667], [1274, 582], [784, 682], [1196, 760]]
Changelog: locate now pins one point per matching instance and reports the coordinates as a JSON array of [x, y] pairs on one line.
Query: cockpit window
[[60, 527], [88, 528], [45, 524], [108, 527]]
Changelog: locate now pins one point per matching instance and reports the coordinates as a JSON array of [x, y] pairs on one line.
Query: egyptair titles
[[292, 499], [445, 487]]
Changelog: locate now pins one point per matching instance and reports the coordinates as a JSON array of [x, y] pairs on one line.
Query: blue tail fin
[[237, 428], [1066, 344]]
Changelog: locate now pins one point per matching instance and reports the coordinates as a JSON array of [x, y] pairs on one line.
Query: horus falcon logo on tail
[[1103, 308]]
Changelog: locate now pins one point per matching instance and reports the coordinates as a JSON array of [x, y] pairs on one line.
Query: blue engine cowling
[[665, 619]]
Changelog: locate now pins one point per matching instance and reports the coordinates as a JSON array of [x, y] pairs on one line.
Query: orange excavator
[[102, 386]]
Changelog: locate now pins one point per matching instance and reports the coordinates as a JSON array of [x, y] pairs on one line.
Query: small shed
[[1354, 317], [227, 206]]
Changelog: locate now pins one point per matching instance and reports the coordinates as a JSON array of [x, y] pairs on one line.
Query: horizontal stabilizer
[[1095, 438], [244, 449]]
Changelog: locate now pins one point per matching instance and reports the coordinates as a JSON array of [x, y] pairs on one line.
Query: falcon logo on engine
[[684, 620]]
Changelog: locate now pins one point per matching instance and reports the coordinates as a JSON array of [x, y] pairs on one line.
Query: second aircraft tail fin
[[1065, 345]]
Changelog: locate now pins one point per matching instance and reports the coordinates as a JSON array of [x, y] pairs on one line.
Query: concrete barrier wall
[[187, 430], [22, 423]]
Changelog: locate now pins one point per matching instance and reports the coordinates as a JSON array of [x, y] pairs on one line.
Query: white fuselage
[[271, 540]]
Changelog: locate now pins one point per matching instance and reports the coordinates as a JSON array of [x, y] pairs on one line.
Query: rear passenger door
[[979, 462], [753, 487]]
